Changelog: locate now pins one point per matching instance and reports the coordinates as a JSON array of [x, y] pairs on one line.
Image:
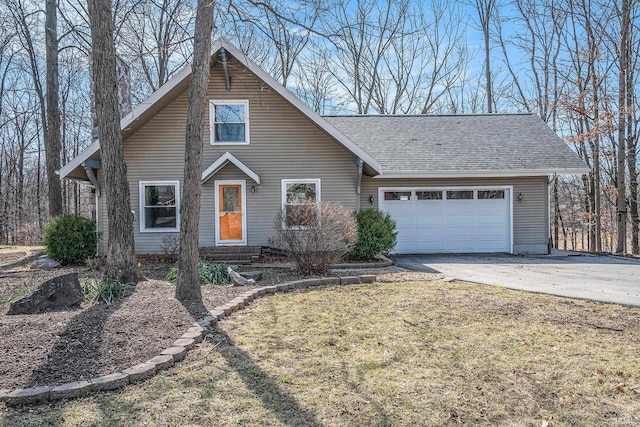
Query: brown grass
[[418, 353]]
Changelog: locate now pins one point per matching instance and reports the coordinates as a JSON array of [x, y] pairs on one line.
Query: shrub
[[376, 234], [107, 291], [210, 273], [70, 239], [315, 235]]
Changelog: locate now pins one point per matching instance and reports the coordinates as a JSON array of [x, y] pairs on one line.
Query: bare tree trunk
[[485, 9], [623, 111], [121, 261], [188, 281], [52, 145]]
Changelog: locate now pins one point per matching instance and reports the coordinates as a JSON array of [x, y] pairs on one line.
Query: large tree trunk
[[53, 145], [188, 282], [121, 262], [623, 113]]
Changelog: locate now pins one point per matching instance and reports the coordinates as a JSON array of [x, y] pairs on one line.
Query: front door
[[230, 214]]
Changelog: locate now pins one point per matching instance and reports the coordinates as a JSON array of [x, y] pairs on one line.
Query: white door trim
[[508, 188], [243, 190]]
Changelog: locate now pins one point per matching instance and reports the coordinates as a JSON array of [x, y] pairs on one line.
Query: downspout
[[225, 67], [360, 164], [549, 188]]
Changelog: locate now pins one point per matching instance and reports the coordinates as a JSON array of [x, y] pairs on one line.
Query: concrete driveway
[[598, 278]]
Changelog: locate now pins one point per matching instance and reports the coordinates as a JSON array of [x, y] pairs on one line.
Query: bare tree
[[361, 35], [188, 282], [121, 261], [154, 36], [486, 12], [52, 145]]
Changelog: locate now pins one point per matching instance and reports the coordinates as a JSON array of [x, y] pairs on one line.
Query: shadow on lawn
[[76, 335], [273, 397]]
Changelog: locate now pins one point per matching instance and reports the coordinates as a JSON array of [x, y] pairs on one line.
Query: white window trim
[[141, 194], [283, 193], [212, 120]]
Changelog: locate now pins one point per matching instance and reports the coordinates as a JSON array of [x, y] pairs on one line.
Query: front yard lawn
[[390, 354]]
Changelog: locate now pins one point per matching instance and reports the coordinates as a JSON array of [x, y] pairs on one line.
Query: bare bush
[[315, 234], [170, 244]]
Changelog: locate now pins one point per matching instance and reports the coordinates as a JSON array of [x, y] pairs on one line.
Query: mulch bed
[[63, 346], [70, 345]]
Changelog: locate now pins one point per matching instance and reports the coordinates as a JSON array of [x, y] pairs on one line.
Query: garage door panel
[[451, 225], [428, 221]]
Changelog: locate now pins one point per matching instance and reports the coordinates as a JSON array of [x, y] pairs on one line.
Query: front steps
[[231, 254]]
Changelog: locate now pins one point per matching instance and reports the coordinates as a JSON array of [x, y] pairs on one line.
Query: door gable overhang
[[222, 161]]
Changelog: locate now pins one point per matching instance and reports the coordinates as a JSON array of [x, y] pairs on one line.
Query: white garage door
[[460, 220]]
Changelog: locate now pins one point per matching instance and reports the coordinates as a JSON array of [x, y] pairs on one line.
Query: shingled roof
[[460, 145]]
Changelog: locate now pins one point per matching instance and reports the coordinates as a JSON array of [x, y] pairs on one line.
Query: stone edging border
[[382, 262], [169, 356], [30, 256]]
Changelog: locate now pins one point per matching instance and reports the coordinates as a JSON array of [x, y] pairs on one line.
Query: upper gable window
[[229, 122]]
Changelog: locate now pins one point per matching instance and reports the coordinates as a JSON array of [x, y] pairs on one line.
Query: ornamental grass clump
[[105, 290], [209, 273]]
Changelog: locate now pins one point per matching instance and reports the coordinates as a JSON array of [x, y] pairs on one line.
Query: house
[[465, 183]]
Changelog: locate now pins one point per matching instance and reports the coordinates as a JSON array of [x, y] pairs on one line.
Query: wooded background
[[575, 63]]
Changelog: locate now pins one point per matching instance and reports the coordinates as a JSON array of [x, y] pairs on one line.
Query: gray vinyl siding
[[284, 145], [530, 217]]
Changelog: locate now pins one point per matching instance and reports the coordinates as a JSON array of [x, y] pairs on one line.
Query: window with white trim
[[159, 206], [300, 201], [229, 122]]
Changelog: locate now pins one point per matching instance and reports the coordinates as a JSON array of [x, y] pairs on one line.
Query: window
[[490, 194], [159, 206], [459, 195], [429, 195], [397, 195], [300, 200], [229, 122]]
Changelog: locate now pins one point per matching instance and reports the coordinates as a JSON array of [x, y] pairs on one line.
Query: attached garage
[[453, 220]]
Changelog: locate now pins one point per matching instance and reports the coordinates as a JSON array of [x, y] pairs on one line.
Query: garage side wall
[[530, 214]]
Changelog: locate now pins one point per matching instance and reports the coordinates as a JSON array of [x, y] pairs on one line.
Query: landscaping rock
[[110, 382], [350, 280], [163, 361], [188, 343], [59, 292], [45, 263], [238, 280], [178, 353], [141, 372], [193, 335], [28, 395], [367, 278], [71, 390], [256, 276]]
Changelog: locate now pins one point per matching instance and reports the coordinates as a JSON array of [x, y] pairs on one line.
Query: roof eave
[[184, 74], [302, 107], [79, 159], [482, 173]]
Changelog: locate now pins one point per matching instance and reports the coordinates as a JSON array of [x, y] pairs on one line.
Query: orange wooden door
[[230, 220]]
